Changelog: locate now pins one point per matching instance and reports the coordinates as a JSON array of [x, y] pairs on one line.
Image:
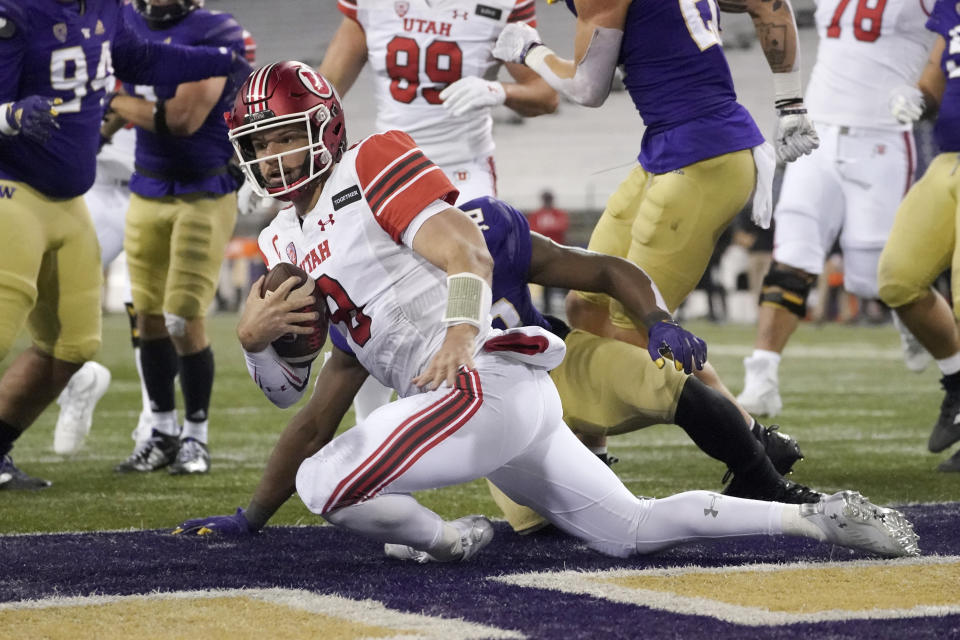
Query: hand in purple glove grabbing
[[669, 340], [235, 526], [34, 117]]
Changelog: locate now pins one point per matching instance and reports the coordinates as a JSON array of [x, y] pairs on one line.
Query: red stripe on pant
[[417, 435]]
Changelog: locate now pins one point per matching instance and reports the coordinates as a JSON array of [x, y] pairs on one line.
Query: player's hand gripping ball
[[299, 349]]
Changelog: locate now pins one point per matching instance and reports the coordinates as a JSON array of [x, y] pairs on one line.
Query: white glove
[[514, 42], [472, 92], [796, 135], [906, 103]]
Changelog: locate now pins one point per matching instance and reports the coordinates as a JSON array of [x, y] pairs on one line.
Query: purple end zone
[[330, 561]]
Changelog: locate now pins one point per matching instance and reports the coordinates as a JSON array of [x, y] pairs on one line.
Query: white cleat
[[761, 387], [476, 532], [848, 519], [77, 402], [915, 355]]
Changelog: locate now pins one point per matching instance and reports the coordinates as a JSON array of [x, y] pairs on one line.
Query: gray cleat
[[848, 519], [476, 532]]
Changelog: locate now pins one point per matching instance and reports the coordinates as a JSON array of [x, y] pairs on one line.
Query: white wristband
[[787, 86], [468, 300], [5, 127], [537, 55]]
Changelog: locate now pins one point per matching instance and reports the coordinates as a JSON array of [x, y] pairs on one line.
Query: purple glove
[[669, 339], [34, 117], [235, 526]]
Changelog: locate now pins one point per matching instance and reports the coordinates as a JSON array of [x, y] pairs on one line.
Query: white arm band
[[787, 86], [468, 300], [590, 85], [282, 382]]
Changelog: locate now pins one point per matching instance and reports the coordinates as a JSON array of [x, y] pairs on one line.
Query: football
[[296, 348]]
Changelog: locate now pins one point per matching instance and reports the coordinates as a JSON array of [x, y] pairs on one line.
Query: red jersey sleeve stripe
[[389, 174], [348, 8], [406, 203], [396, 180], [523, 12]]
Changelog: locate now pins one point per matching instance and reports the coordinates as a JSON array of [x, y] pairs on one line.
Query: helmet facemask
[[165, 15], [316, 162]]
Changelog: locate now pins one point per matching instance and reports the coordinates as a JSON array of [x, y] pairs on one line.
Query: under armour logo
[[712, 511], [323, 225], [840, 524], [460, 14]]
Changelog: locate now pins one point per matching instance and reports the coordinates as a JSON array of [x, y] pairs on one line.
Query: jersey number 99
[[443, 64]]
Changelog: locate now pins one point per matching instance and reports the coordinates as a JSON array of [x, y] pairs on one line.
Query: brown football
[[295, 348]]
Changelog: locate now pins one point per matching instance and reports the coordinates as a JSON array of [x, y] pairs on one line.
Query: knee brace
[[176, 325], [787, 288]]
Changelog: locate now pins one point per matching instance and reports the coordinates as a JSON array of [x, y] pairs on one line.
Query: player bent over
[[407, 279]]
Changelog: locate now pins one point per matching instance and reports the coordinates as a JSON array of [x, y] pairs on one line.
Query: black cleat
[[951, 464], [12, 479], [947, 429], [608, 459], [156, 453], [782, 450], [783, 491]]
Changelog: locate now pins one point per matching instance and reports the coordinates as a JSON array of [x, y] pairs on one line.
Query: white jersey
[[387, 300], [417, 48], [115, 160], [867, 47]]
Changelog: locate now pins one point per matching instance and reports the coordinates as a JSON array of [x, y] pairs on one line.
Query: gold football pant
[[50, 274], [174, 250], [668, 223], [923, 241]]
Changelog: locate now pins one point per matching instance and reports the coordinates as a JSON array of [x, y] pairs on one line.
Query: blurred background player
[[435, 79], [701, 156], [553, 223], [923, 242], [851, 185], [108, 201], [182, 213], [58, 59]]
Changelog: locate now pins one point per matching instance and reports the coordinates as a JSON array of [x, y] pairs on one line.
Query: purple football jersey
[[171, 165], [945, 20], [677, 74], [69, 51]]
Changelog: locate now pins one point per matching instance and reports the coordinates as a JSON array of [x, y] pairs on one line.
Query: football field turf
[[861, 419]]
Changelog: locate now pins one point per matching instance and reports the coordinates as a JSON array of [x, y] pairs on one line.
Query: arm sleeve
[[154, 63], [399, 181], [282, 382]]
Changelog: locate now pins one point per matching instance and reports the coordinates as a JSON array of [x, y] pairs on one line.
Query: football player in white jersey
[[435, 78], [407, 280], [851, 185]]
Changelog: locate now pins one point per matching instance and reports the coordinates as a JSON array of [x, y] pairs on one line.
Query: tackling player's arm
[[181, 116], [345, 56], [529, 94], [451, 241], [932, 81], [909, 103], [306, 433], [554, 265], [587, 78]]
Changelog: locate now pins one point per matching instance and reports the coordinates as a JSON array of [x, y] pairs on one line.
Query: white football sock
[[195, 430]]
